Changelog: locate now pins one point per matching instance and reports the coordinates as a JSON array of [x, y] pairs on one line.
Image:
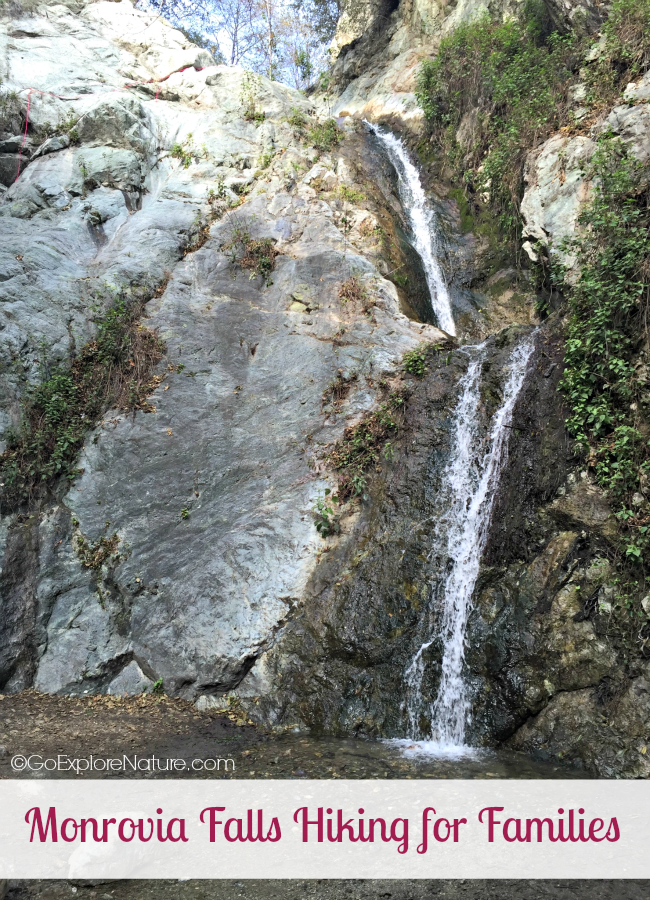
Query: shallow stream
[[298, 756]]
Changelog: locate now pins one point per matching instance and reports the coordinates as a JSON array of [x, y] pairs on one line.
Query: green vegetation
[[249, 95], [626, 54], [218, 193], [503, 87], [266, 159], [112, 371], [350, 195], [258, 256], [605, 377], [359, 451], [325, 518], [182, 153], [9, 104], [511, 80], [325, 135], [93, 556], [297, 118], [185, 513], [415, 361]]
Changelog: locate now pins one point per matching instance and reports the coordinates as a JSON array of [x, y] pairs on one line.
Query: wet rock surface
[[372, 600]]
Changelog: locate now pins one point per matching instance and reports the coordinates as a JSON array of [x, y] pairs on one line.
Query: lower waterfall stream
[[470, 483]]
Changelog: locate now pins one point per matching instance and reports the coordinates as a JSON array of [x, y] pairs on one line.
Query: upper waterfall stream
[[470, 483], [422, 220]]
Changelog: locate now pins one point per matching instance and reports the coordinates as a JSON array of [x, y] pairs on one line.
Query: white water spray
[[470, 483], [422, 219]]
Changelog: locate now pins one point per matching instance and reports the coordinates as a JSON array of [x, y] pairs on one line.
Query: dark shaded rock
[[9, 163]]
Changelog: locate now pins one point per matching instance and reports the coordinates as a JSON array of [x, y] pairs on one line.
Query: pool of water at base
[[304, 756]]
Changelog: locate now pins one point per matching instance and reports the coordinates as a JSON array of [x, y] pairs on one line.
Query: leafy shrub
[[181, 153], [297, 118], [325, 135], [112, 371], [414, 361], [324, 517], [350, 195], [604, 378], [514, 79]]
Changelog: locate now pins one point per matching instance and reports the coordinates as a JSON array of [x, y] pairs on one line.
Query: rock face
[[557, 183], [148, 168], [210, 496]]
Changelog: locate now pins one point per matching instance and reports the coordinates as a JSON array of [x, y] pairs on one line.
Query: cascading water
[[470, 482], [422, 220]]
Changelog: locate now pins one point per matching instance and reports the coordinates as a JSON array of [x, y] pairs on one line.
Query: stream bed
[[298, 756]]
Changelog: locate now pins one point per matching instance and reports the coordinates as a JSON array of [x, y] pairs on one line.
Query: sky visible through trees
[[285, 40]]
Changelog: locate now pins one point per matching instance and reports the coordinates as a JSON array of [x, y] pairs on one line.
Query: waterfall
[[422, 220], [470, 483]]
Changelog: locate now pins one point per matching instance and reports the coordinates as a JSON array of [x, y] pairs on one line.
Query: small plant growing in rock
[[338, 389], [266, 159], [218, 193], [185, 513], [350, 195], [158, 688], [353, 290], [184, 155], [260, 257], [256, 255], [357, 454], [250, 91], [325, 135], [93, 556], [325, 519], [9, 103], [297, 118], [415, 361]]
